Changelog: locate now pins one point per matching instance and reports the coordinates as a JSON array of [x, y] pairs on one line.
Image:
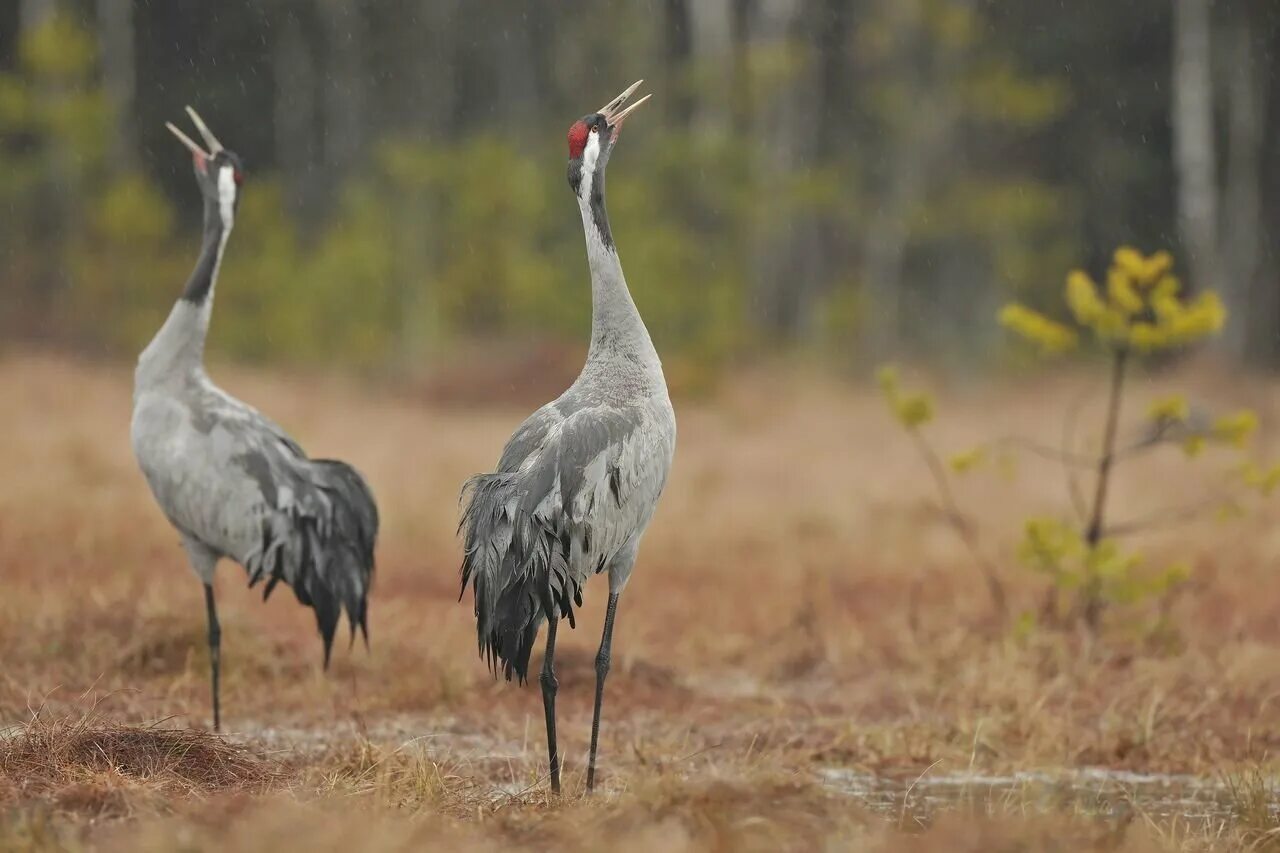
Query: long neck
[[616, 326], [199, 287], [177, 350]]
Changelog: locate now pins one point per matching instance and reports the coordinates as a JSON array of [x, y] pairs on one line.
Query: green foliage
[[474, 234], [430, 241], [124, 264]]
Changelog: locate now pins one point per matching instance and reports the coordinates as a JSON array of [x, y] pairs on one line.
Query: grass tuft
[[91, 765]]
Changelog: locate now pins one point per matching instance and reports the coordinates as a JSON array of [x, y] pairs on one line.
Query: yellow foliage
[[1143, 271], [1107, 562], [1129, 261], [1176, 573], [1193, 445], [1083, 299], [1141, 307], [887, 379], [1157, 268], [914, 411], [1169, 410], [1229, 511], [1168, 286], [1178, 323], [1122, 293], [967, 460], [1047, 543], [1265, 480], [1052, 337], [910, 410], [1236, 429]]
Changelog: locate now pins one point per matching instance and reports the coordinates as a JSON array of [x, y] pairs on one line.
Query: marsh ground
[[800, 607]]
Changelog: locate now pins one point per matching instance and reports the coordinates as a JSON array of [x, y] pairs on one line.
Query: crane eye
[[238, 176], [594, 129]]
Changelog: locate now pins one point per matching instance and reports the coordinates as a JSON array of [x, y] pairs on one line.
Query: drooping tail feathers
[[517, 563], [328, 562]]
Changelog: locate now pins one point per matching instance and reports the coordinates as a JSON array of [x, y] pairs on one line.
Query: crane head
[[592, 137], [219, 171]]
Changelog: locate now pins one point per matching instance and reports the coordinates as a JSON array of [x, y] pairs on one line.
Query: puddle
[[1091, 791]]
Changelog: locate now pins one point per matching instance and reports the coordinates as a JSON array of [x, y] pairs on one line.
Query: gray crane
[[228, 478], [579, 480]]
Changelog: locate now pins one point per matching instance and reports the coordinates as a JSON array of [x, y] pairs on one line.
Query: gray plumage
[[579, 480], [235, 486], [229, 479], [573, 493]]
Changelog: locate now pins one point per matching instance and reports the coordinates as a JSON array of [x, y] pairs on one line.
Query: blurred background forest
[[852, 178]]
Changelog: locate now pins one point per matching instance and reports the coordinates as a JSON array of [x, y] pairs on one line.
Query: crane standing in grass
[[579, 480], [230, 480]]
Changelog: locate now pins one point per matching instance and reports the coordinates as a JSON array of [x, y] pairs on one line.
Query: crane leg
[[215, 651], [602, 670], [549, 687]]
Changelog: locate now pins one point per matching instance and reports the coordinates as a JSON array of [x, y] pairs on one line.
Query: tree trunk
[[297, 154], [1253, 304], [677, 42], [517, 81], [115, 39], [344, 95], [50, 222], [741, 24], [913, 149], [33, 13], [1193, 144]]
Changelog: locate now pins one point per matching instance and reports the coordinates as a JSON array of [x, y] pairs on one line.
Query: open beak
[[201, 156], [613, 112]]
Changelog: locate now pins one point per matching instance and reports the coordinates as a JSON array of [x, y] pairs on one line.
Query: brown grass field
[[800, 608]]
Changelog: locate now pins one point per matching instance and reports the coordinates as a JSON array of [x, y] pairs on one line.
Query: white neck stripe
[[227, 196], [590, 156]]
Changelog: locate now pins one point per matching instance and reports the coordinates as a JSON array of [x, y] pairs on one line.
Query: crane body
[[578, 482], [229, 479]]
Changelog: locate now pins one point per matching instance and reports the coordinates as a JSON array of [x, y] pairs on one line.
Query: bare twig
[[1166, 517], [961, 524], [1068, 446], [1053, 454]]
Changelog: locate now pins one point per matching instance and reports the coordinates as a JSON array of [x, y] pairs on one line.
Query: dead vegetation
[[92, 766], [800, 603]]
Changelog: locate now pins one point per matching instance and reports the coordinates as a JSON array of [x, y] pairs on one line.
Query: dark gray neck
[[595, 206], [176, 353], [200, 285]]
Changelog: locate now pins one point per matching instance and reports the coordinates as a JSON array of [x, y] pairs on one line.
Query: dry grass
[[799, 604], [95, 767]]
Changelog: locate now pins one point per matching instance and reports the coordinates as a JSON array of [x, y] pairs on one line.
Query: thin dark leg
[[549, 686], [602, 670], [215, 651]]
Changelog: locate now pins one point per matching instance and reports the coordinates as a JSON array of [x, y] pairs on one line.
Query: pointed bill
[[616, 119], [186, 140], [209, 139], [608, 109]]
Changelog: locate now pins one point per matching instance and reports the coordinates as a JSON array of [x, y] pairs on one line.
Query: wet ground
[[909, 799], [1110, 794]]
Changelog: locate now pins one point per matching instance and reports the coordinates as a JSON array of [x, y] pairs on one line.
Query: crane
[[228, 478], [578, 481]]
